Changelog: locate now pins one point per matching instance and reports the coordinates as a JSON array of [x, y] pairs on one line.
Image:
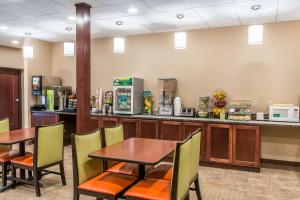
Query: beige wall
[[11, 57], [214, 58]]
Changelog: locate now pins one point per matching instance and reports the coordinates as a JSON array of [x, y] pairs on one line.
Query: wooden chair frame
[[38, 172], [4, 166]]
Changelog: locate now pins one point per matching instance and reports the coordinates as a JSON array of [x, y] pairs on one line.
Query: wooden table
[[17, 137], [137, 150]]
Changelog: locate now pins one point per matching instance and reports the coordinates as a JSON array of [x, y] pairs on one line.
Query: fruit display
[[148, 103], [220, 102]]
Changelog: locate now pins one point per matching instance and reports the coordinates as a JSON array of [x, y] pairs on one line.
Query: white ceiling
[[47, 19]]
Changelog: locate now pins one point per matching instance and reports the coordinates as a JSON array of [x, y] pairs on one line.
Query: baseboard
[[226, 166], [280, 162]]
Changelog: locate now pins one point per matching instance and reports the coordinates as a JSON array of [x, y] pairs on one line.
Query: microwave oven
[[284, 113]]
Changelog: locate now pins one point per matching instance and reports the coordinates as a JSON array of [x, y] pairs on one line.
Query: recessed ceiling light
[[119, 23], [180, 16], [15, 41], [132, 10], [3, 27], [256, 7], [27, 33], [72, 18], [68, 28]]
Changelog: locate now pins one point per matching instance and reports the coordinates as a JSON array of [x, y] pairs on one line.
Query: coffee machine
[[167, 90], [44, 92], [62, 92]]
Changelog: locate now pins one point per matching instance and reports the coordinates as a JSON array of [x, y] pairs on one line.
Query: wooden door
[[148, 128], [109, 122], [37, 119], [10, 97], [246, 146], [50, 118], [171, 130], [189, 127], [219, 143], [130, 127]]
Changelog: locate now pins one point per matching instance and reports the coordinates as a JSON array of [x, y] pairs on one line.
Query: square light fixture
[[255, 34], [27, 52], [180, 40], [119, 45], [69, 48]]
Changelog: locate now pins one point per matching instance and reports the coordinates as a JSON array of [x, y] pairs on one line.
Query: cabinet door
[[37, 119], [219, 143], [246, 146], [130, 127], [189, 127], [171, 130], [109, 122], [148, 129], [50, 118]]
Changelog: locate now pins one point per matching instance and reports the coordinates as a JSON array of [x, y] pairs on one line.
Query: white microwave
[[284, 113]]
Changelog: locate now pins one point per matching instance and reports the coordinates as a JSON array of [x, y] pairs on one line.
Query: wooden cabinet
[[109, 122], [42, 118], [130, 127], [37, 119], [189, 127], [148, 129], [219, 143], [171, 130], [245, 145]]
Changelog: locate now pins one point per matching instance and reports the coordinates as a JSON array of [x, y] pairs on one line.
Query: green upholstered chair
[[89, 178], [4, 126], [6, 154], [48, 152], [165, 171], [112, 136], [175, 189]]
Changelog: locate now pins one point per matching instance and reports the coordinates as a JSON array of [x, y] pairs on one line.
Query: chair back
[[181, 172], [4, 127], [196, 142], [113, 135], [85, 168], [49, 144]]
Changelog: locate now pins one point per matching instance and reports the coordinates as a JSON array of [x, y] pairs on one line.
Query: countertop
[[194, 119]]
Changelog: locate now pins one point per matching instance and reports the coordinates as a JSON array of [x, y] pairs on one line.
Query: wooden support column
[[83, 68]]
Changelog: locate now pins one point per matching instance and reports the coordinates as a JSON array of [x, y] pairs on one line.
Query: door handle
[[17, 100]]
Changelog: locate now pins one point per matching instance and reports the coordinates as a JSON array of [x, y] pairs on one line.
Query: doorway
[[10, 97]]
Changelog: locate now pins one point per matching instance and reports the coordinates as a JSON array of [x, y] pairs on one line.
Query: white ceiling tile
[[191, 17], [161, 27], [40, 5], [218, 16], [6, 17], [71, 3], [149, 18], [167, 5], [114, 2], [266, 14], [19, 10], [123, 8], [288, 10], [103, 12], [203, 3]]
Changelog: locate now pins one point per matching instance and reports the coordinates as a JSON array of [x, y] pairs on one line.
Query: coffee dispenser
[[167, 90]]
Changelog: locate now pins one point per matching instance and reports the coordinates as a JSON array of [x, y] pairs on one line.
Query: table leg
[[141, 171], [22, 153]]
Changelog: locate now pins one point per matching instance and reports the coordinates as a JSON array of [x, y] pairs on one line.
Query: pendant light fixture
[[119, 42], [255, 32]]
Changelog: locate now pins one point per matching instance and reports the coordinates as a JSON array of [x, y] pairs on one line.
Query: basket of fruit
[[220, 102]]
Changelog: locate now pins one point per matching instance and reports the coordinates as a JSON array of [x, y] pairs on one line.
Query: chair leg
[[29, 173], [76, 194], [4, 174], [62, 173], [99, 198], [187, 196], [13, 176], [197, 187], [36, 182]]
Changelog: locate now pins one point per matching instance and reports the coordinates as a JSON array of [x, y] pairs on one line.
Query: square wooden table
[[17, 137], [137, 150]]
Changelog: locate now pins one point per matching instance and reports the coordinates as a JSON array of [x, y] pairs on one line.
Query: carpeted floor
[[273, 183]]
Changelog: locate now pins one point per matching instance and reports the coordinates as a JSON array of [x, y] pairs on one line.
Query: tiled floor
[[274, 182]]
